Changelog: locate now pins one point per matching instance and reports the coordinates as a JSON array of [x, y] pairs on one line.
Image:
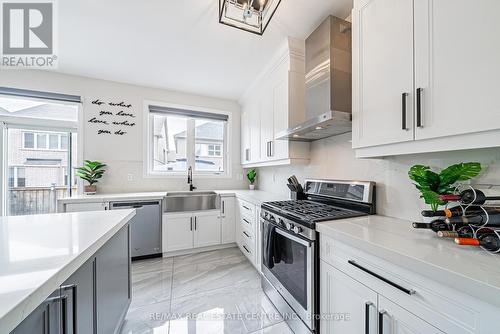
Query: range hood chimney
[[328, 83]]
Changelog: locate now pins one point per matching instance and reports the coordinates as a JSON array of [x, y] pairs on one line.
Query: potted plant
[[252, 176], [432, 184], [91, 172]]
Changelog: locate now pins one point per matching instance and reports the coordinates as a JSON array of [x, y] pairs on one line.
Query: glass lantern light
[[249, 15]]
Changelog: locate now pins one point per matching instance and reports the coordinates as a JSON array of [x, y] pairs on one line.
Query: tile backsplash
[[333, 158]]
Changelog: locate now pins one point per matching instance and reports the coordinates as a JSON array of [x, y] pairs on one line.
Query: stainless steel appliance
[[145, 228], [290, 252], [328, 83]]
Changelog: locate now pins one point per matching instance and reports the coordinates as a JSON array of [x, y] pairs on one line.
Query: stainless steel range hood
[[328, 83]]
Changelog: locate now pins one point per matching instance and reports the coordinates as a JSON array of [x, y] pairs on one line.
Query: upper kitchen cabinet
[[272, 104], [425, 76]]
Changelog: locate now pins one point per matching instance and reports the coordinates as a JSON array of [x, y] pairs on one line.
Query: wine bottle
[[489, 241], [436, 225], [493, 218], [469, 196], [464, 232], [452, 212]]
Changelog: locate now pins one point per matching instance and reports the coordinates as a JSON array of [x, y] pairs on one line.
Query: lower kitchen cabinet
[[177, 231], [112, 278], [183, 231], [228, 219], [79, 291], [94, 299], [348, 306], [207, 229]]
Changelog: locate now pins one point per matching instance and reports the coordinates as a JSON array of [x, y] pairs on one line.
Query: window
[[180, 138], [45, 141], [40, 150]]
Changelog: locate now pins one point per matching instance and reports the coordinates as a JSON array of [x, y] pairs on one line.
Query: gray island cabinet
[[93, 299]]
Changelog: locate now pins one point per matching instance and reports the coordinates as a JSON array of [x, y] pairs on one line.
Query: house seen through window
[[183, 138]]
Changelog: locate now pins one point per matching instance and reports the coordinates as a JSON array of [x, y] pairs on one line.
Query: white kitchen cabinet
[[184, 231], [273, 103], [347, 299], [442, 55], [207, 229], [457, 66], [228, 219], [248, 231], [396, 320], [177, 231], [86, 206], [383, 79]]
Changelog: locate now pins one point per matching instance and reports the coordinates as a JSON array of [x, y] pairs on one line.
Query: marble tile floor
[[215, 292]]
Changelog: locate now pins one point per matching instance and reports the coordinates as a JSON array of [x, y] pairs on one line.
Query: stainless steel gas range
[[290, 254]]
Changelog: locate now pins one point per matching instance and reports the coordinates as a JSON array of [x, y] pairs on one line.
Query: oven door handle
[[292, 237]]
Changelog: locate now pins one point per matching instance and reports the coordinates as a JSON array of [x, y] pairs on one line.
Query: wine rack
[[476, 229]]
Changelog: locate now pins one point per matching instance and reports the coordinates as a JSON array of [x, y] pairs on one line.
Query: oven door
[[289, 267]]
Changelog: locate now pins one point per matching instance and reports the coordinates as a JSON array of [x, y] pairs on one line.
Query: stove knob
[[281, 222], [297, 229], [288, 226], [271, 218]]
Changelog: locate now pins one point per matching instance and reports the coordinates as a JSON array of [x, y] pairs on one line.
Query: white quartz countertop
[[467, 269], [114, 197], [39, 252], [256, 197]]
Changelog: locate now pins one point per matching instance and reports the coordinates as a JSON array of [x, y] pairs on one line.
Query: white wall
[[124, 154], [333, 158]]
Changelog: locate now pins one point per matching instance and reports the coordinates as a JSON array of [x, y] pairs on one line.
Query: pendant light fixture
[[249, 15]]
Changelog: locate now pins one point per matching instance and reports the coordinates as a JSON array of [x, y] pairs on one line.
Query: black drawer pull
[[246, 249], [246, 234], [246, 221], [419, 107], [246, 208], [383, 279], [404, 96]]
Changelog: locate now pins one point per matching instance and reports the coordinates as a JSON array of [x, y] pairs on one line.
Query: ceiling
[[177, 45]]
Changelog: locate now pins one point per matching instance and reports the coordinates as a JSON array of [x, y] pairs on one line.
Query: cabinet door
[[228, 219], [347, 306], [245, 137], [279, 148], [112, 270], [396, 320], [177, 232], [46, 318], [457, 66], [79, 289], [266, 123], [382, 72], [255, 136], [207, 231]]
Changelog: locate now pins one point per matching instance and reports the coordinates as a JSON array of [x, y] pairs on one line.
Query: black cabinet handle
[[419, 107], [223, 207], [191, 227], [367, 317], [381, 314], [246, 249], [195, 225], [404, 98], [383, 279], [74, 294], [246, 234]]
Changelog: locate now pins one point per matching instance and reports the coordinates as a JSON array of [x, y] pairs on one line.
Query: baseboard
[[198, 250]]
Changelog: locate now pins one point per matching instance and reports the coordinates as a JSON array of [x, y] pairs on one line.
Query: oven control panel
[[287, 224]]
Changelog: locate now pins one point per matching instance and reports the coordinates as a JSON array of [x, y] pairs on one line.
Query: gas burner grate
[[311, 211]]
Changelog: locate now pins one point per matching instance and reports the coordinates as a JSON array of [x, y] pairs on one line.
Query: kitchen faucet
[[190, 179]]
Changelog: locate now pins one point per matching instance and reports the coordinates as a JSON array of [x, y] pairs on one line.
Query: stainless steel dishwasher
[[145, 228]]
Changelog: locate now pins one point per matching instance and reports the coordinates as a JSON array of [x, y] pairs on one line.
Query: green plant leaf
[[424, 177], [459, 172]]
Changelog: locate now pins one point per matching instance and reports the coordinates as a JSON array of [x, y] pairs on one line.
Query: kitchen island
[[57, 268]]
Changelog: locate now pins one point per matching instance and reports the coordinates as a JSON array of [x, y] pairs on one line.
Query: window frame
[[148, 146], [47, 141]]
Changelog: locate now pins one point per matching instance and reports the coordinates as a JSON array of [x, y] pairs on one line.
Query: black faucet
[[190, 179]]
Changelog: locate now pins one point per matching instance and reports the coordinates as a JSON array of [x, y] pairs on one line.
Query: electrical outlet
[[130, 177]]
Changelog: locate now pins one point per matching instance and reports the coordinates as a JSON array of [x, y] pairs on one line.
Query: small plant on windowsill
[[91, 172], [251, 176], [432, 184]]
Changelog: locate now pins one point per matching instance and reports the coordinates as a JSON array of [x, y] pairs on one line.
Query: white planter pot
[[251, 186]]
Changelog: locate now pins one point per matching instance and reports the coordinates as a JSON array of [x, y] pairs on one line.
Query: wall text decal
[[111, 115]]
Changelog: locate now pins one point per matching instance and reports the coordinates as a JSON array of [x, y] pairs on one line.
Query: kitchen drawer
[[438, 304], [248, 239], [247, 209], [248, 250], [248, 224]]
